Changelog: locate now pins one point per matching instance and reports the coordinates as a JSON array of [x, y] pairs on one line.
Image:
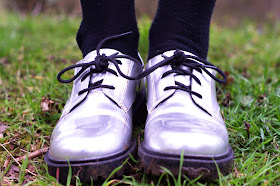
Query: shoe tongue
[[97, 76], [184, 79]]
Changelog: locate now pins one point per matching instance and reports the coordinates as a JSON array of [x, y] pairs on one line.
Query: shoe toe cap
[[92, 137], [193, 136]]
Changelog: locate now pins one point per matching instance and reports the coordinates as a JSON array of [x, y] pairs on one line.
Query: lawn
[[34, 49]]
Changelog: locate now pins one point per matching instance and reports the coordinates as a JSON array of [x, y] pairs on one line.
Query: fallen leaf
[[30, 88], [3, 127], [265, 182], [36, 77], [226, 100], [230, 79], [20, 57], [39, 77], [247, 128], [4, 61], [261, 98], [46, 104], [31, 168], [245, 73], [13, 171], [6, 163], [237, 173]]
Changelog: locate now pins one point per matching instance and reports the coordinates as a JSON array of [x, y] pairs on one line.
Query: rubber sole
[[193, 166], [89, 170]]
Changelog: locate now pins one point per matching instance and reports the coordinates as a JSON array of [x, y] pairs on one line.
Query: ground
[[34, 49]]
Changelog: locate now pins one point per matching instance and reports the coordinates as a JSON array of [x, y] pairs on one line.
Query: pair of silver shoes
[[94, 133]]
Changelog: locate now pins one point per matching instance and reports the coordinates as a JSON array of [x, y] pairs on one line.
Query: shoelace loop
[[99, 65]]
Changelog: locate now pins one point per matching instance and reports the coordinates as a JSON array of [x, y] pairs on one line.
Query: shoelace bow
[[99, 65], [178, 60]]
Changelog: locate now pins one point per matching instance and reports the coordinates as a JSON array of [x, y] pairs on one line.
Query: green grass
[[34, 49]]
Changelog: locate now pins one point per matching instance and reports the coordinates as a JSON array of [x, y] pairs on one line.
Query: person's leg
[[94, 133], [181, 24], [104, 18], [184, 116]]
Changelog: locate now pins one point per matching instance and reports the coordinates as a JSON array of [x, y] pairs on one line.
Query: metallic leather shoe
[[94, 132], [184, 118]]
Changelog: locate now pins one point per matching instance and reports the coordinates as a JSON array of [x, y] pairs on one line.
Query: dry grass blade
[[34, 154]]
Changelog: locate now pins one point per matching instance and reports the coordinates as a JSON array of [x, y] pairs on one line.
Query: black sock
[[181, 24], [104, 18]]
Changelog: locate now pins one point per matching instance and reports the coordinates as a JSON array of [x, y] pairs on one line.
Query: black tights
[[178, 24]]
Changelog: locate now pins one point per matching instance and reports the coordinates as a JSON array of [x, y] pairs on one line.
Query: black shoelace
[[178, 60], [99, 65]]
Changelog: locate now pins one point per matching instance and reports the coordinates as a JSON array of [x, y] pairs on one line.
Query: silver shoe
[[94, 132], [184, 117]]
